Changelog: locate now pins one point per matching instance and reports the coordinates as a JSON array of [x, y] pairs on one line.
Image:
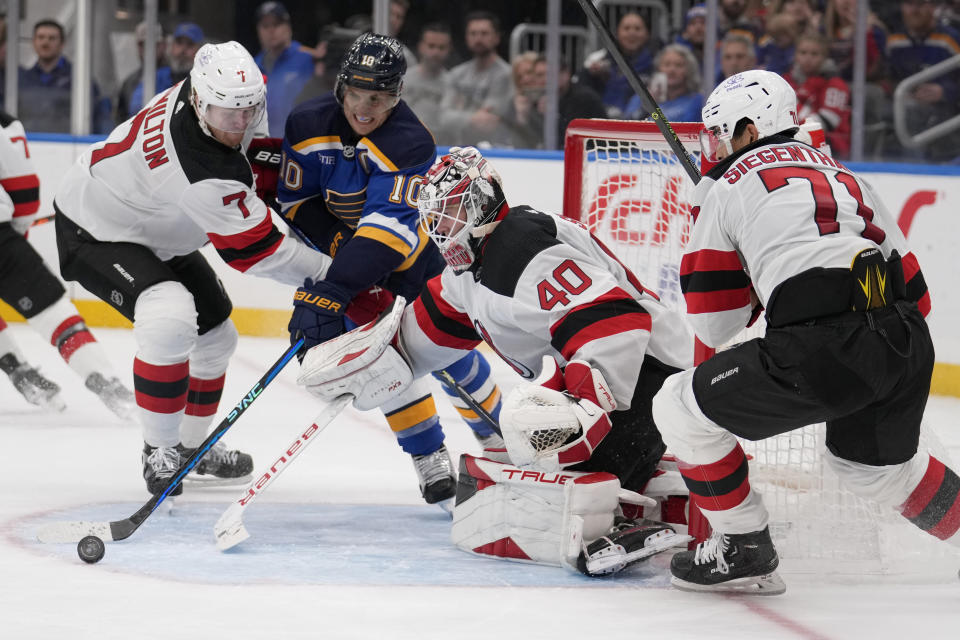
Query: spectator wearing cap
[[187, 40], [46, 87], [694, 32], [286, 63]]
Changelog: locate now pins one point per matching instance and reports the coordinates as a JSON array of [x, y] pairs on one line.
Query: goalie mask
[[228, 92], [461, 194], [762, 96]]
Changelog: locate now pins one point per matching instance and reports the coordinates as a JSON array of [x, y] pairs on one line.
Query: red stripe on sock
[[63, 326], [74, 342], [950, 523], [161, 373], [199, 385], [926, 489], [715, 470], [161, 405], [726, 501]]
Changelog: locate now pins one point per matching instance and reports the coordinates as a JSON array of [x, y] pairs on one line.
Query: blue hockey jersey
[[355, 197]]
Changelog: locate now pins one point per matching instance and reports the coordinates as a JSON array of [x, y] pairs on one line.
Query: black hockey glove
[[318, 310]]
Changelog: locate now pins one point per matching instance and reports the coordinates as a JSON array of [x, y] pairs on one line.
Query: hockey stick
[[123, 529], [641, 90], [452, 383], [229, 529]]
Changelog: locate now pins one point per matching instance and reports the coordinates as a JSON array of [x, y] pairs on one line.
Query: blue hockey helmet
[[373, 62]]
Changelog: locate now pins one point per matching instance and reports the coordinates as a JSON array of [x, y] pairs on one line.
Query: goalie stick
[[73, 531], [229, 529], [641, 89]]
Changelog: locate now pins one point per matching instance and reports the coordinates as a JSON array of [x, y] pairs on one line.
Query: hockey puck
[[91, 549]]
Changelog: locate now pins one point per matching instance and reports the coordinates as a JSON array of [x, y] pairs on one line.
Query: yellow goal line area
[[272, 323]]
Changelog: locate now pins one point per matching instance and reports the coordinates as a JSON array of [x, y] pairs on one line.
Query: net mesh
[[635, 197]]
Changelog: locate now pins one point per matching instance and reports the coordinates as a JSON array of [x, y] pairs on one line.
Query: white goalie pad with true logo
[[361, 362], [533, 516]]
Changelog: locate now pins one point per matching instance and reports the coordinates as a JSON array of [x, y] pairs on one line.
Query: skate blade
[[766, 585], [619, 560], [447, 505], [204, 481]]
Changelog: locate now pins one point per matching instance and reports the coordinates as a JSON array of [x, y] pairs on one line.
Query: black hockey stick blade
[[123, 529], [452, 383], [641, 90]]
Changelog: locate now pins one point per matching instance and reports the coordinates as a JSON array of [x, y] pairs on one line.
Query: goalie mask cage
[[622, 180]]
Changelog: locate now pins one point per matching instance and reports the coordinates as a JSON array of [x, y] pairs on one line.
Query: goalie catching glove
[[362, 362], [559, 419]]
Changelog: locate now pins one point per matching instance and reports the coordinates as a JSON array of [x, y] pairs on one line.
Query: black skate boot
[[220, 466], [113, 394], [438, 483], [744, 563], [159, 465], [34, 387], [629, 541]]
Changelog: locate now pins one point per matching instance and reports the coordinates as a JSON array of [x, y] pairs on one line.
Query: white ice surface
[[342, 545]]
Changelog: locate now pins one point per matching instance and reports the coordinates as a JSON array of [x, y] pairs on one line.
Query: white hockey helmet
[[228, 89], [460, 195], [762, 96]]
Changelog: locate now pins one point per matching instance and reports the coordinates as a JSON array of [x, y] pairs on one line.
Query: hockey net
[[622, 180]]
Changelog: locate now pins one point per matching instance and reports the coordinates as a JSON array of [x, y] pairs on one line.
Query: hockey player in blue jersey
[[353, 162]]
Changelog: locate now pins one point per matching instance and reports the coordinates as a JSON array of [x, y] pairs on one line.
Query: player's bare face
[[366, 110]]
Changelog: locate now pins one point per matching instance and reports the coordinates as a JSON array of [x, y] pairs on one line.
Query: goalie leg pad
[[527, 515]]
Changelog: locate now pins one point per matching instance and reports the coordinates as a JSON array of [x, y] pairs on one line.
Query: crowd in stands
[[485, 100]]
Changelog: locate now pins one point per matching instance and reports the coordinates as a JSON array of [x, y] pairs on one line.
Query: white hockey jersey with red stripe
[[770, 212], [19, 185], [545, 286], [160, 182]]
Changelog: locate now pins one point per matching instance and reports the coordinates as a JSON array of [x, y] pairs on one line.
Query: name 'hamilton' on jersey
[[160, 182]]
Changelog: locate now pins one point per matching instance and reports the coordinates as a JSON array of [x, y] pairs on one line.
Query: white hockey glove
[[362, 362], [550, 429]]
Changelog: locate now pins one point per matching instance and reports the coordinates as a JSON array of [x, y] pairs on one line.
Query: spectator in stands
[[478, 90], [424, 84], [603, 75], [694, 31], [821, 93], [840, 24], [3, 59], [736, 55], [133, 82], [677, 87], [395, 19], [804, 14], [922, 43], [187, 40], [286, 63], [734, 18], [332, 44], [776, 47], [518, 130], [45, 87]]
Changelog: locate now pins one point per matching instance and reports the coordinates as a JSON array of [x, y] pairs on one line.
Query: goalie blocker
[[563, 518]]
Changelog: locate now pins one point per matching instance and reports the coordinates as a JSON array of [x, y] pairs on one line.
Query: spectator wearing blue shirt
[[46, 86], [603, 76], [132, 82], [675, 86], [187, 40], [285, 62]]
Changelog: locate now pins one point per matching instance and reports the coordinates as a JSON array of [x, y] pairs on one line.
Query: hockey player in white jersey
[[783, 227], [557, 306], [131, 216], [28, 285]]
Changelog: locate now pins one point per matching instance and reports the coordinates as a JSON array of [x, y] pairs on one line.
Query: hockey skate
[[159, 465], [219, 467], [37, 389], [438, 483], [743, 563], [113, 394], [629, 541]]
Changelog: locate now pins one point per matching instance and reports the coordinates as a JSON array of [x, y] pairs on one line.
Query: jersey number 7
[[825, 214]]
